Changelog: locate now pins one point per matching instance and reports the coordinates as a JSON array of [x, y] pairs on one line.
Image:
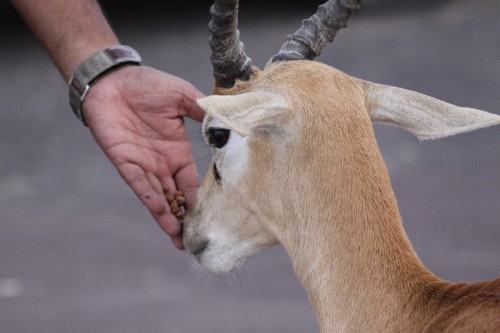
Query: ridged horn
[[228, 55], [316, 31]]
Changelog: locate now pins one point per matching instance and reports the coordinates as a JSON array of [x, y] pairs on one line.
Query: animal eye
[[218, 137]]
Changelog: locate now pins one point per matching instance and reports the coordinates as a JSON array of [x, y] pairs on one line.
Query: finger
[[153, 199], [188, 181], [169, 224], [177, 240], [195, 112], [168, 185], [189, 105], [140, 183], [167, 221], [155, 182]]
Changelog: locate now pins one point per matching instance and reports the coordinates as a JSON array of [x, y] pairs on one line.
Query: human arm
[[134, 113], [70, 30]]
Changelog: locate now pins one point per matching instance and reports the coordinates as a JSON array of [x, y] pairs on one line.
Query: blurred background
[[79, 253]]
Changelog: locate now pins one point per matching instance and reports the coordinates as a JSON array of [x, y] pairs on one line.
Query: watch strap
[[95, 67]]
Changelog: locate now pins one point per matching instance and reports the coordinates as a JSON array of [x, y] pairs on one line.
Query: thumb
[[189, 105], [194, 111], [188, 182]]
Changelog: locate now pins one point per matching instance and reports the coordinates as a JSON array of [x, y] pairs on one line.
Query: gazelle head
[[289, 140]]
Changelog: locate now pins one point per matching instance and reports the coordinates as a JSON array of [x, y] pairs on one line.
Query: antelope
[[296, 162]]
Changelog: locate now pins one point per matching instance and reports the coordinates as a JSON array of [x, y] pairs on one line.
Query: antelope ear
[[247, 112], [424, 116]]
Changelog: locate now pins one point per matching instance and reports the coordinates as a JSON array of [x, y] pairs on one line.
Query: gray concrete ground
[[78, 253]]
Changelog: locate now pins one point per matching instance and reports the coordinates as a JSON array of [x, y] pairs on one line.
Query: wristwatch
[[94, 68]]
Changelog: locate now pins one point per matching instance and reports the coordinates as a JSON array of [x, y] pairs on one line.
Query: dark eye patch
[[216, 173], [218, 137]]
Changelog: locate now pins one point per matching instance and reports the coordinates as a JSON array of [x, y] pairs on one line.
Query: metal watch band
[[95, 67]]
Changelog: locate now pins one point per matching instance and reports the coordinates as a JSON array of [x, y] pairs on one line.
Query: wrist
[[94, 68], [79, 53]]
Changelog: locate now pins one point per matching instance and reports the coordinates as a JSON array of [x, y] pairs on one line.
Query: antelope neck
[[357, 265]]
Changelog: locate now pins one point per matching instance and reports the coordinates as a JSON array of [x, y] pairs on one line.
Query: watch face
[[122, 53]]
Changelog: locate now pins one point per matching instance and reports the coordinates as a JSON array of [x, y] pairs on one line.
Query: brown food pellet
[[176, 203], [179, 196], [169, 198], [174, 207]]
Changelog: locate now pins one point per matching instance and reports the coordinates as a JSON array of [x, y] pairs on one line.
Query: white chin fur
[[227, 258]]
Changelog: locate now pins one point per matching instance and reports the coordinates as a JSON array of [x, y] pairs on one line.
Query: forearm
[[70, 30]]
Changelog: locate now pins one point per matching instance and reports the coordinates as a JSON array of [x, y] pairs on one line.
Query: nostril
[[199, 248]]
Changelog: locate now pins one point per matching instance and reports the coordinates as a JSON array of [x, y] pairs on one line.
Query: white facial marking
[[225, 254], [231, 160]]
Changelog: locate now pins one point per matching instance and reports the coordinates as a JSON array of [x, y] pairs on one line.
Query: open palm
[[136, 116]]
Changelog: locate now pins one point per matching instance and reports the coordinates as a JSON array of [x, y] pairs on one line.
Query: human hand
[[136, 116]]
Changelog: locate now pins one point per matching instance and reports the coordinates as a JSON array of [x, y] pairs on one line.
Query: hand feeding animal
[[296, 162]]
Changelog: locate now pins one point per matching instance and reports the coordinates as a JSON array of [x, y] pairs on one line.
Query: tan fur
[[317, 184]]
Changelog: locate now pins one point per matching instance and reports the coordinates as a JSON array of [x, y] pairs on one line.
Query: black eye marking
[[218, 137], [216, 173]]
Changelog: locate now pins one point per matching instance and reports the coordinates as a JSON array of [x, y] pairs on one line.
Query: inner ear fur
[[424, 116]]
